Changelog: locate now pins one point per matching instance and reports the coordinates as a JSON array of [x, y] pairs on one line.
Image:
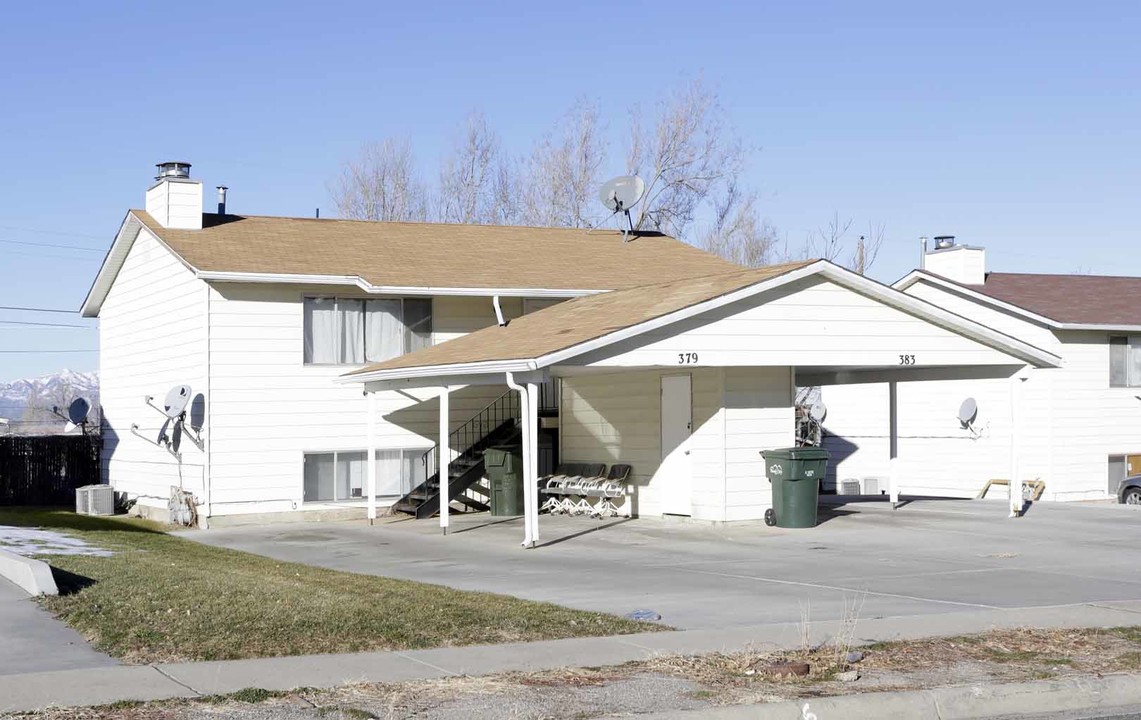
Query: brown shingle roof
[[577, 321], [1080, 299], [434, 255]]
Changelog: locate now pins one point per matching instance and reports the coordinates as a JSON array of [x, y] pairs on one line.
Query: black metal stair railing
[[472, 437]]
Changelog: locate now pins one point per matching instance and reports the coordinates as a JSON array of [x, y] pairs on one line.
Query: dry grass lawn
[[161, 598]]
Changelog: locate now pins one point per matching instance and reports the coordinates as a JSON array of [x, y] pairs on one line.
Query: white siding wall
[[268, 408], [737, 412], [616, 418], [1071, 420], [152, 336], [758, 416], [176, 204], [812, 323]]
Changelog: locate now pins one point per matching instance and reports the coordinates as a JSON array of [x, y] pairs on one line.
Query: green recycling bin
[[795, 474], [504, 466]]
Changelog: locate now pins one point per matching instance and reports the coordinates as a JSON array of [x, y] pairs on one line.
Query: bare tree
[[827, 243], [687, 154], [867, 249], [561, 176], [738, 232], [468, 176], [382, 184]]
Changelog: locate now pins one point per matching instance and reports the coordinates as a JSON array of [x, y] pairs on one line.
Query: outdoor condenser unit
[[95, 500], [861, 486]]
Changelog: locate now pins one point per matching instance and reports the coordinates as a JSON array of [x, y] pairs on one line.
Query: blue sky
[[1013, 125]]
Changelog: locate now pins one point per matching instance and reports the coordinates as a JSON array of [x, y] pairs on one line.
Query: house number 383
[[687, 358], [906, 359]]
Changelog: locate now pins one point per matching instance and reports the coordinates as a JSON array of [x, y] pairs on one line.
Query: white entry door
[[676, 476]]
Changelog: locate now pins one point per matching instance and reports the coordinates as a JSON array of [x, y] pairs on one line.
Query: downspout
[[524, 410], [498, 311]]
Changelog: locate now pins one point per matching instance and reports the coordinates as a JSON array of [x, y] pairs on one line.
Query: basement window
[[1125, 361], [343, 476], [352, 331]]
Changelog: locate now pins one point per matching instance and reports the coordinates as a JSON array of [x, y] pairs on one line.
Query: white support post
[[444, 461], [371, 461], [893, 443], [531, 477], [1015, 495]]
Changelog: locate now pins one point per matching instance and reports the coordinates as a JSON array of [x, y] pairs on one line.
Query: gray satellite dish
[[817, 411], [622, 193], [197, 415], [968, 411], [163, 438], [176, 401], [78, 410], [176, 437]]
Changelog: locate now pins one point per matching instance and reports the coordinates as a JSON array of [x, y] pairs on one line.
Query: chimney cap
[[943, 242], [173, 169]]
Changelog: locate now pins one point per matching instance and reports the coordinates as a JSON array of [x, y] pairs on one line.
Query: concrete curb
[[954, 703], [32, 576]]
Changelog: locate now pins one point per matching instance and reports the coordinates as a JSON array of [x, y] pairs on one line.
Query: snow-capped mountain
[[31, 399]]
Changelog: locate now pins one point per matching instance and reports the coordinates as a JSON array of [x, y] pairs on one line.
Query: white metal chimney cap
[[173, 169]]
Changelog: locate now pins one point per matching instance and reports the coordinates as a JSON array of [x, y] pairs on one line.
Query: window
[[1125, 361], [345, 331], [337, 476]]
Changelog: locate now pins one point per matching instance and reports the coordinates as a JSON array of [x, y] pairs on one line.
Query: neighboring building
[[1077, 428]]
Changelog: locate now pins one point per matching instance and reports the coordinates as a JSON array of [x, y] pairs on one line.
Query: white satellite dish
[[78, 410], [818, 411], [176, 401], [622, 193], [968, 411]]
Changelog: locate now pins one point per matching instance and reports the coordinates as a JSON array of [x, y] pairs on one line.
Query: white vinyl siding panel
[[152, 336], [758, 416], [269, 408], [811, 323]]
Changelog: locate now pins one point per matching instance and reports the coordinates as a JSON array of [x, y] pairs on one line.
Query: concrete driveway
[[929, 558], [31, 640]]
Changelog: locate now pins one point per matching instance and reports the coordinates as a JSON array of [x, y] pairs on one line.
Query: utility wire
[[49, 232], [22, 352], [43, 324], [84, 248], [36, 309]]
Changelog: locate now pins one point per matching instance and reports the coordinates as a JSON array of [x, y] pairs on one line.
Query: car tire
[[1132, 496]]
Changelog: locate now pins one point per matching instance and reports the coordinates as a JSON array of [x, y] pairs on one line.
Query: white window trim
[[1132, 344], [417, 450]]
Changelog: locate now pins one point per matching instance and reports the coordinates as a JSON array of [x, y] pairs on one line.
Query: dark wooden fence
[[46, 469]]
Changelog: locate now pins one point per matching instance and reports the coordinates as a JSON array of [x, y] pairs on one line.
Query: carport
[[689, 380]]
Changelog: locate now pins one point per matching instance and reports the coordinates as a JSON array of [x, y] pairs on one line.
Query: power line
[[43, 324], [36, 309], [49, 232], [85, 248], [21, 352]]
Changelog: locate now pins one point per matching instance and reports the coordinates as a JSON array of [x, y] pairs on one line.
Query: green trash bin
[[504, 466], [795, 474]]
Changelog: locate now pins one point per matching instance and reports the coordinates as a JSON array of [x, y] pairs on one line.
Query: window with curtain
[[350, 331], [1125, 361], [341, 476]]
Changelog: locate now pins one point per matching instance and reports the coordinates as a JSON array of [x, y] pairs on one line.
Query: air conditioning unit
[[95, 500], [862, 486]]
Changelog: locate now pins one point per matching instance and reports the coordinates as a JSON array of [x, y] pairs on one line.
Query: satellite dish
[[163, 438], [818, 411], [198, 413], [78, 410], [176, 400], [176, 437], [968, 411], [622, 193]]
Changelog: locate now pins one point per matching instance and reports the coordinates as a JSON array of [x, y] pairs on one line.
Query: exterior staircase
[[496, 424]]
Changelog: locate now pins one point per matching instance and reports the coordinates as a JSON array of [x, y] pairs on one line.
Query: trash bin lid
[[797, 453]]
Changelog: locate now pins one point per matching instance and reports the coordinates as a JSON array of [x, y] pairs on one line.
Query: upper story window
[[348, 331], [1125, 361]]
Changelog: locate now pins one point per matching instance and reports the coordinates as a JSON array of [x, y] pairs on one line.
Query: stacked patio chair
[[573, 487]]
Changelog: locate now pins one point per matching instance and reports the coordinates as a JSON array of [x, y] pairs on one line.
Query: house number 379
[[687, 358]]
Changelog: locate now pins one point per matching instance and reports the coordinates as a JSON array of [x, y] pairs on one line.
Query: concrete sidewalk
[[32, 691]]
